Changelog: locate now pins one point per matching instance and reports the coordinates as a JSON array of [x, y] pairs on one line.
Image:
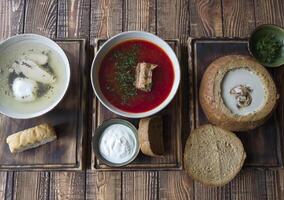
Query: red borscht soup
[[117, 76]]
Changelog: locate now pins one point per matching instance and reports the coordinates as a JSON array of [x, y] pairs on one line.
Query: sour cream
[[117, 143], [24, 89]]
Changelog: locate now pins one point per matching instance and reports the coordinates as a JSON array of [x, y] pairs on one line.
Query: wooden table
[[169, 19]]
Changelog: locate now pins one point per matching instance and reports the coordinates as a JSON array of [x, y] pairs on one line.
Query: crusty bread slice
[[150, 134], [213, 155]]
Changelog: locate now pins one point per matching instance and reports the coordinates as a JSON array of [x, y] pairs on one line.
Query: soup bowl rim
[[45, 41], [126, 36]]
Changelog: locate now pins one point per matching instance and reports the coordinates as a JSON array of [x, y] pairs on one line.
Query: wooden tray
[[66, 152], [172, 131], [264, 145]]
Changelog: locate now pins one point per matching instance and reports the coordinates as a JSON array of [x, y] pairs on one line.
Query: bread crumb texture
[[213, 155]]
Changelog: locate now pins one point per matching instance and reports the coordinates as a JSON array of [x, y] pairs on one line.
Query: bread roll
[[31, 138]]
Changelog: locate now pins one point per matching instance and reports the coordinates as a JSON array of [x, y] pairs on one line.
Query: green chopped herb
[[125, 63], [268, 48]]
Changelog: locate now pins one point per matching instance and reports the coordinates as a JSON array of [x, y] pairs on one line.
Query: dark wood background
[[169, 19]]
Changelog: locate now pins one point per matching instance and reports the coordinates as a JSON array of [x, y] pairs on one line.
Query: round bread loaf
[[237, 93], [213, 156]]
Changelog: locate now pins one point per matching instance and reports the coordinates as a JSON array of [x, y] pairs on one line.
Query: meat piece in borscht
[[143, 76]]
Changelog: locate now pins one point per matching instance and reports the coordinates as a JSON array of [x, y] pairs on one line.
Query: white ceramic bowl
[[19, 40], [117, 39]]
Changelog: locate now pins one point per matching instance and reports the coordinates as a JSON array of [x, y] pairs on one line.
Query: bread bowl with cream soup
[[237, 93]]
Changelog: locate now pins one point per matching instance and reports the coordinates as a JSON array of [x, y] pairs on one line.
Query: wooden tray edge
[[80, 155], [190, 42], [178, 166]]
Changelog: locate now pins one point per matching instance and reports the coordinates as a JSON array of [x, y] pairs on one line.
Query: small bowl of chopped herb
[[266, 44]]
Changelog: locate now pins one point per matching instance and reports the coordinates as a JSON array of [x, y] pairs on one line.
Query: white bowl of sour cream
[[116, 142], [34, 75]]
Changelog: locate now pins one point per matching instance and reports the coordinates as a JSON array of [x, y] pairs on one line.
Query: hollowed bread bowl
[[237, 93]]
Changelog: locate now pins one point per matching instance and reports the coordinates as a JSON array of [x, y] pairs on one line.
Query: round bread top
[[237, 93], [213, 155]]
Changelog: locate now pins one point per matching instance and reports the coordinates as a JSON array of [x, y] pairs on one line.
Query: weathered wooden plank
[[211, 193], [140, 15], [11, 20], [175, 185], [11, 17], [67, 185], [73, 19], [173, 22], [281, 184], [72, 22], [266, 12], [9, 186], [3, 181], [173, 19], [41, 17], [250, 185], [205, 18], [31, 185], [103, 185], [106, 18], [238, 18], [140, 185], [269, 12], [272, 186]]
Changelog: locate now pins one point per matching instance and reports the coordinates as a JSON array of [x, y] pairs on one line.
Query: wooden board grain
[[105, 21], [139, 15], [140, 185], [172, 132], [73, 19], [269, 12], [235, 22], [173, 21], [206, 18], [262, 145], [30, 185], [67, 151], [175, 185], [67, 185], [3, 182], [40, 17], [11, 20], [103, 185], [106, 18]]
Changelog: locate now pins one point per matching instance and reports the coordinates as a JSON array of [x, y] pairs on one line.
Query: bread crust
[[31, 138], [146, 145], [187, 153], [211, 100]]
